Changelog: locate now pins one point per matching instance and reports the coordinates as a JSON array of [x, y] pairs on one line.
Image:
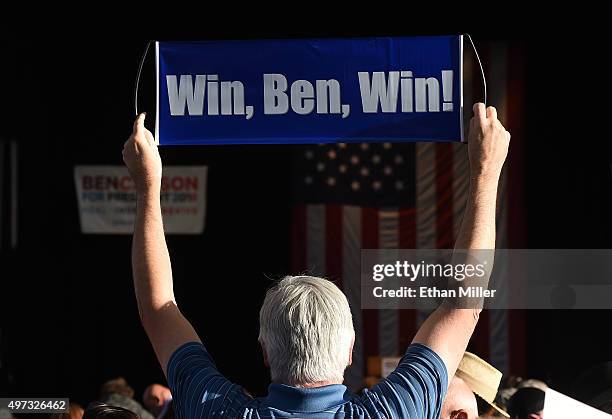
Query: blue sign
[[309, 91]]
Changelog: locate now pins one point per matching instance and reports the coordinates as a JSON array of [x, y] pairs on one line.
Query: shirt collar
[[297, 399]]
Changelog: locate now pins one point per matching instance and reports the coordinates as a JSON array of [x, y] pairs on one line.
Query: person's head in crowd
[[527, 403], [306, 332], [594, 387], [75, 411], [117, 386], [118, 393], [105, 411], [155, 397], [460, 401], [512, 384]]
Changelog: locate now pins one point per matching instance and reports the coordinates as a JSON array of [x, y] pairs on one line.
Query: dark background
[[68, 314]]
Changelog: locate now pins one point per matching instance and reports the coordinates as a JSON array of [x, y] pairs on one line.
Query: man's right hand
[[488, 143], [142, 159]]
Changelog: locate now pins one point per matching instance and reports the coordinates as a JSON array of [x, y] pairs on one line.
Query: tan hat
[[482, 378]]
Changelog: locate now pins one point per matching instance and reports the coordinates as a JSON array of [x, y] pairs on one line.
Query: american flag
[[406, 195]]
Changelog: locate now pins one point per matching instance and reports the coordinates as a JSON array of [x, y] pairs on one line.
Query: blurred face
[[155, 396]]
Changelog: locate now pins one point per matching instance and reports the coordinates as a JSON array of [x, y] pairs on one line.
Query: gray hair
[[306, 327]]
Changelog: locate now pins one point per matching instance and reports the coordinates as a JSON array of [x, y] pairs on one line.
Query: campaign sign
[[309, 91], [107, 199]]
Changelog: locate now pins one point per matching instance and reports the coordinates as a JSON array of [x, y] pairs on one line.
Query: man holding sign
[[306, 329]]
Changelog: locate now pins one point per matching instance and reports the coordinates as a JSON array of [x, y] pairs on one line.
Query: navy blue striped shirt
[[415, 389]]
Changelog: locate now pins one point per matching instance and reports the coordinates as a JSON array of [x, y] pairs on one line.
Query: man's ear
[[350, 358], [459, 414], [265, 354]]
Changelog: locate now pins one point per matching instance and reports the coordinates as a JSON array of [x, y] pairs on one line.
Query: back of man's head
[[306, 330], [460, 401]]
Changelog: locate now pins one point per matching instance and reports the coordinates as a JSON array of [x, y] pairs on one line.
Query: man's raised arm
[[165, 325], [448, 329]]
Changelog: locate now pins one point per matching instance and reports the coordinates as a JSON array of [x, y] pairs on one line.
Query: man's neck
[[317, 384]]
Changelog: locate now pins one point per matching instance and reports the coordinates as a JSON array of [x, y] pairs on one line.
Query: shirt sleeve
[[415, 389], [198, 389]]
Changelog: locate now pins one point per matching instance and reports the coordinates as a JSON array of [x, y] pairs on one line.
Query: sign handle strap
[[142, 60], [482, 74]]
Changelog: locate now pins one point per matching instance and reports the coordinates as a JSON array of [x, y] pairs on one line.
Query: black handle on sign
[[142, 60]]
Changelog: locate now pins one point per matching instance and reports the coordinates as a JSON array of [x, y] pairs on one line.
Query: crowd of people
[[117, 400], [477, 390]]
